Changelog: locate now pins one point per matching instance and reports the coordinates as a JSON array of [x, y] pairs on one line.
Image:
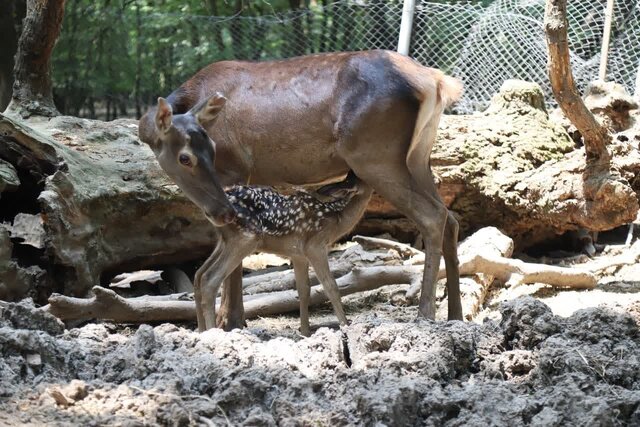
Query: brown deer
[[299, 226], [310, 120]]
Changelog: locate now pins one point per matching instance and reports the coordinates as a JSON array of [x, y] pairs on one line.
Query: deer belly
[[297, 164]]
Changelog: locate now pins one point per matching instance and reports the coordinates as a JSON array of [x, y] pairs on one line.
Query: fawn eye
[[184, 159]]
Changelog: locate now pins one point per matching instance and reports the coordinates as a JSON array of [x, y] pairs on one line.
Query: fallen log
[[105, 204], [482, 254], [107, 305], [512, 168]]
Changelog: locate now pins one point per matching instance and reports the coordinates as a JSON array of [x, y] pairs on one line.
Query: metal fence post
[[404, 38], [606, 36]]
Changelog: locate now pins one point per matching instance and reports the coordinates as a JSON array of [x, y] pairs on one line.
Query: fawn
[[300, 226]]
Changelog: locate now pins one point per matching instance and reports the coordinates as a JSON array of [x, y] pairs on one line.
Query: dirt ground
[[534, 356]]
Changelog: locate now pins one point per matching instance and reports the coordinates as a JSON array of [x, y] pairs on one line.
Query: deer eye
[[184, 159]]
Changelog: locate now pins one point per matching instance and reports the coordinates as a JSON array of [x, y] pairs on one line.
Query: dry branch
[[515, 271], [376, 242], [596, 137], [483, 255], [484, 252], [285, 280], [106, 304]]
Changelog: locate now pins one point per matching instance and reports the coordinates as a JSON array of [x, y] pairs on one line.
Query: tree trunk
[[596, 137], [11, 16], [32, 90]]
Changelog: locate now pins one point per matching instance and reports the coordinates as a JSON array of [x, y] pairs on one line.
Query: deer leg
[[450, 253], [231, 314], [301, 271], [227, 258], [320, 263], [197, 287], [423, 207]]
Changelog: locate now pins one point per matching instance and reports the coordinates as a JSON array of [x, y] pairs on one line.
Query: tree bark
[[32, 89], [106, 205], [11, 15], [596, 137]]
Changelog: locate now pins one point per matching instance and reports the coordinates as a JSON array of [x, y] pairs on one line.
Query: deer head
[[187, 154]]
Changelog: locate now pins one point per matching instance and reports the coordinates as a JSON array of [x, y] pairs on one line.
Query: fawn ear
[[164, 116], [207, 111]]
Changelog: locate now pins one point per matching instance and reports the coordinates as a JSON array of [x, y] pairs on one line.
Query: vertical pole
[[606, 36], [404, 38]]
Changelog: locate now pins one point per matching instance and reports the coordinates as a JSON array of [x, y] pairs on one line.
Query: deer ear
[[207, 111], [164, 116]]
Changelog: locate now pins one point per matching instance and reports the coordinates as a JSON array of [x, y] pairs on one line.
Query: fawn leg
[[197, 288], [227, 258], [301, 271], [320, 263]]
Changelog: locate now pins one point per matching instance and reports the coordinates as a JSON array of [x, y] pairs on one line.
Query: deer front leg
[[301, 271], [197, 289], [227, 258], [231, 315], [320, 263]]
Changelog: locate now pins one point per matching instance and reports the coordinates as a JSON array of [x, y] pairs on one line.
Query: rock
[[145, 341], [611, 104], [33, 360], [75, 391], [527, 322], [24, 315], [517, 97], [178, 280], [9, 180], [28, 228]]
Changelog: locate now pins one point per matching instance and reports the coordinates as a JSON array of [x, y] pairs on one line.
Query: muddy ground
[[535, 356]]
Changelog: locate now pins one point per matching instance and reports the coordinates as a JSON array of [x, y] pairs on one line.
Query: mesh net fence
[[113, 61], [485, 45]]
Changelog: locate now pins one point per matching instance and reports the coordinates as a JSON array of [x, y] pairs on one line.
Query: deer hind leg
[[317, 257], [389, 176], [301, 271], [450, 253], [421, 173], [231, 314]]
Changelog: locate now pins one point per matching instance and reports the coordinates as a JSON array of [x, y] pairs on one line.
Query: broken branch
[[376, 242]]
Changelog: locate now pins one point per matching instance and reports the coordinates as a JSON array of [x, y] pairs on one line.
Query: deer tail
[[435, 91]]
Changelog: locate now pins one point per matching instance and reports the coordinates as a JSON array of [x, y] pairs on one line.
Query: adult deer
[[310, 120], [298, 226]]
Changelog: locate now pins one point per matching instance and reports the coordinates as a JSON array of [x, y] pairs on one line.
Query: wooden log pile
[[484, 258]]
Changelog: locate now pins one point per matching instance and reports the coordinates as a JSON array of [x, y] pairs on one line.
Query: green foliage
[[114, 57]]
